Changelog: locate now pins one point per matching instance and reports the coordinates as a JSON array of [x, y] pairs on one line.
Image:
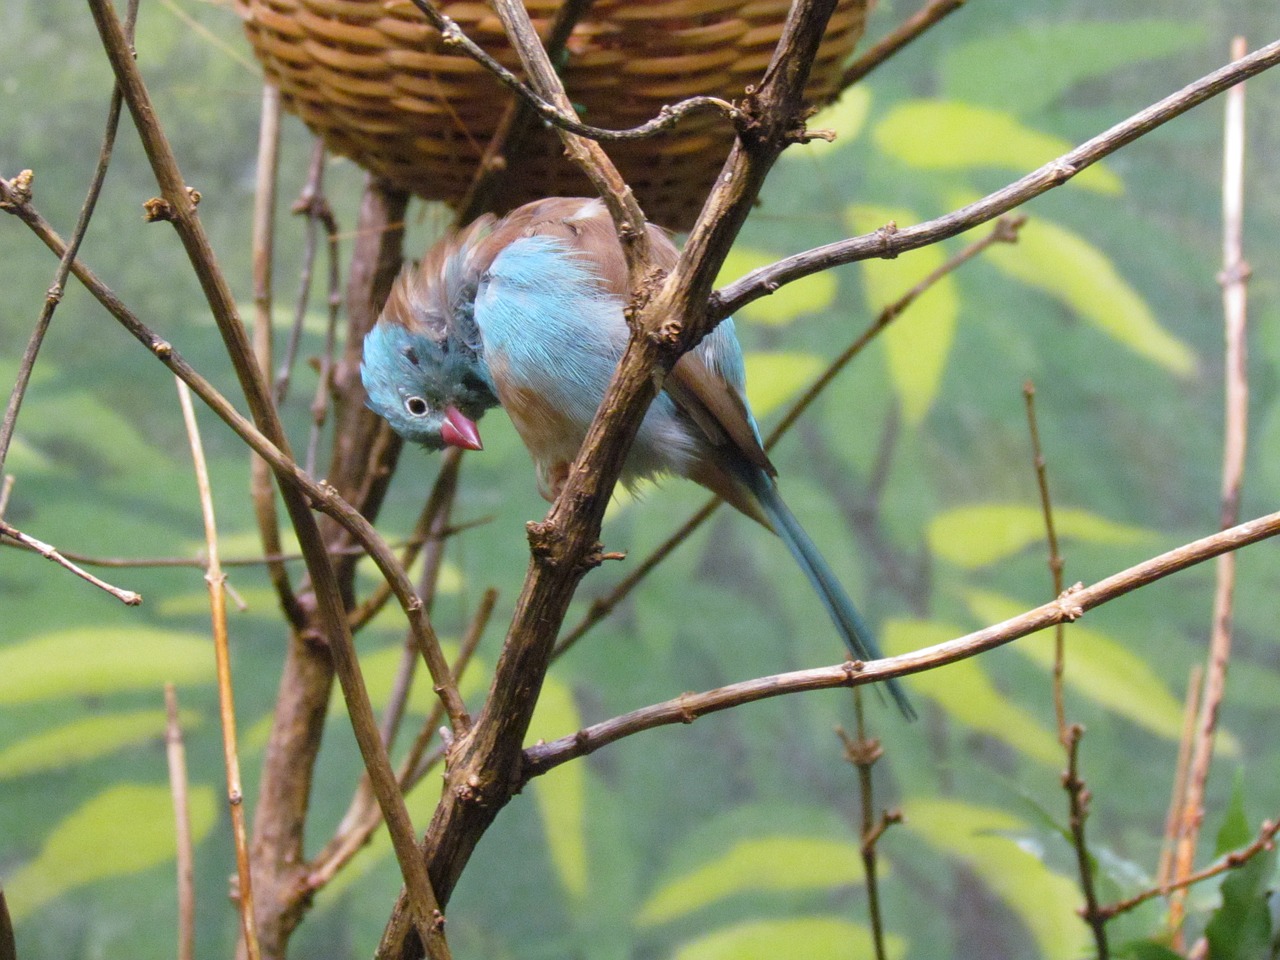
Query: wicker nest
[[372, 78]]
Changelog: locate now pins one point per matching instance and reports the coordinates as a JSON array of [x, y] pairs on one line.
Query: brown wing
[[585, 226]]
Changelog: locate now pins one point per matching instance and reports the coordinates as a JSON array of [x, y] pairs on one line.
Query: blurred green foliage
[[734, 837]]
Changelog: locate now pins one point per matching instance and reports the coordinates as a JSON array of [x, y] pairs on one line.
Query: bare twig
[[1071, 606], [177, 757], [363, 818], [50, 552], [911, 28], [312, 205], [1005, 230], [546, 107], [1078, 800], [6, 489], [516, 123], [263, 245], [583, 151], [294, 481], [179, 204], [891, 240], [1065, 735], [54, 295], [1234, 276], [1265, 841], [862, 752], [1173, 819], [216, 581]]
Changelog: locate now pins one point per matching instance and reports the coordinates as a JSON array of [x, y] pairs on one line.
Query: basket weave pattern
[[372, 78]]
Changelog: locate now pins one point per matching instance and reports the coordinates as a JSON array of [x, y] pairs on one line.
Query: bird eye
[[416, 406]]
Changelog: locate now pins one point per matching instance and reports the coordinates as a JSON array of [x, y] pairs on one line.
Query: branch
[[1005, 230], [50, 552], [216, 581], [1233, 278], [1265, 841], [890, 241], [321, 496], [176, 754], [452, 36], [910, 29], [1069, 607], [54, 296]]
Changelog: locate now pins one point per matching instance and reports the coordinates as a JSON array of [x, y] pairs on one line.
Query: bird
[[526, 312]]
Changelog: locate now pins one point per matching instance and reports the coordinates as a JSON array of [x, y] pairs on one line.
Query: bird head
[[430, 390]]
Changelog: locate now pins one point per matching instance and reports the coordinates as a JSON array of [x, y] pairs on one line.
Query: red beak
[[458, 431]]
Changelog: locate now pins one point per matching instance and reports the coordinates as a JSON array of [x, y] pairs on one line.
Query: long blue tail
[[853, 629]]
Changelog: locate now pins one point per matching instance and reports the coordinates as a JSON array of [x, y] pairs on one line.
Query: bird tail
[[853, 629]]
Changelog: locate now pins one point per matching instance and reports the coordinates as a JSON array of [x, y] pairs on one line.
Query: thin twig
[[1055, 562], [177, 756], [452, 36], [889, 46], [359, 823], [502, 152], [178, 204], [263, 248], [293, 480], [54, 295], [324, 375], [216, 581], [1265, 841], [50, 552], [312, 205], [582, 150], [1233, 278], [891, 240], [1005, 230], [1173, 819], [412, 543], [1071, 606], [862, 752], [1078, 801], [6, 490]]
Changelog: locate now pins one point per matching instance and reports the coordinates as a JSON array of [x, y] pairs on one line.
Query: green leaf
[[1240, 929], [85, 739], [965, 691], [760, 864], [775, 377], [797, 938], [813, 294], [1146, 950], [1235, 830], [77, 663], [1043, 900], [977, 535], [1100, 669], [1068, 268], [561, 795], [949, 135], [1039, 62], [917, 344], [125, 829]]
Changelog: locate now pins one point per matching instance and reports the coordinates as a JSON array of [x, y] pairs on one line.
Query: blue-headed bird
[[527, 312]]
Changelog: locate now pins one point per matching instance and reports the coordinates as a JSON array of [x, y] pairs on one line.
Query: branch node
[[885, 236], [19, 191], [1071, 612], [156, 209]]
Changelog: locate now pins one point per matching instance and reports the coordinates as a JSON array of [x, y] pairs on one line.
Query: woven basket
[[372, 78]]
